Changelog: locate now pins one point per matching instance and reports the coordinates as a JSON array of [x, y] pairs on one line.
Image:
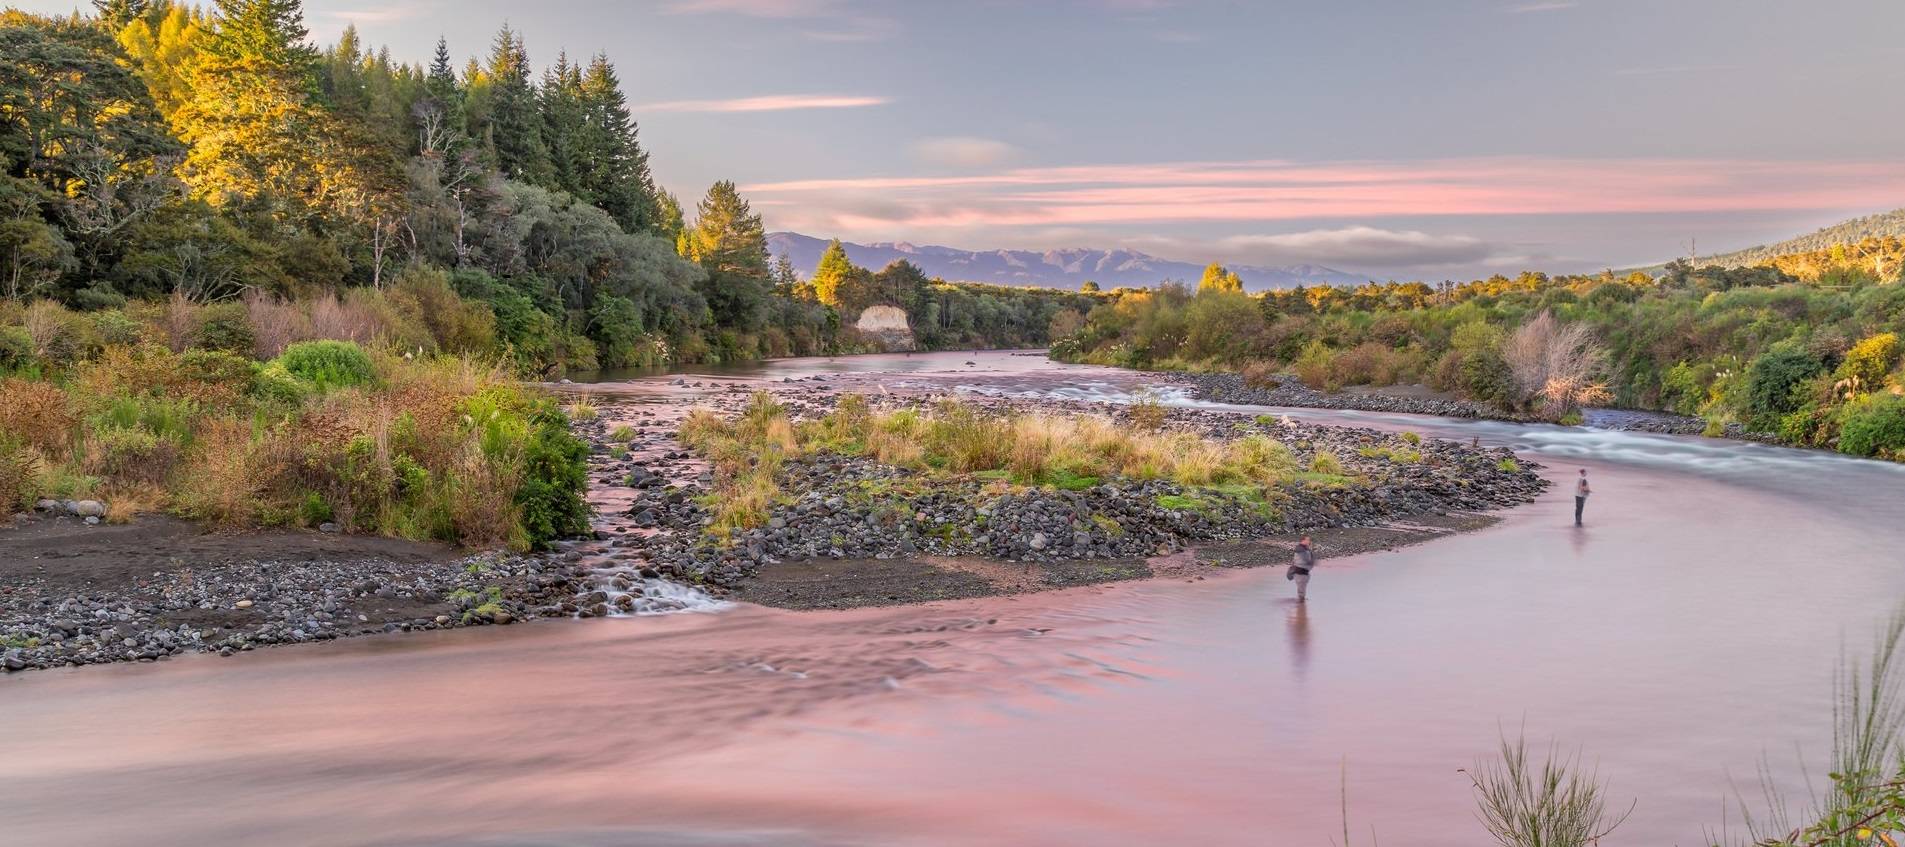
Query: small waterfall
[[626, 593]]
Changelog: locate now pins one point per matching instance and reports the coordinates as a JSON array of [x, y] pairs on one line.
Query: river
[[1693, 626]]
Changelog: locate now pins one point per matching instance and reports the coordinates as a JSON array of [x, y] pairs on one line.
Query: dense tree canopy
[[157, 150]]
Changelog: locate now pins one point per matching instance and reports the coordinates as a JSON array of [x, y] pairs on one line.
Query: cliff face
[[889, 323]]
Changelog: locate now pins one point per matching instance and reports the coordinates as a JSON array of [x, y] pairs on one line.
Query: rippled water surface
[[1694, 624]]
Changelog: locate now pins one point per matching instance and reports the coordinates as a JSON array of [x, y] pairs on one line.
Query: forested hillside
[[1855, 235], [157, 151]]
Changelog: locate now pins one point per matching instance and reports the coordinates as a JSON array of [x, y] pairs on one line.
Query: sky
[[1425, 139]]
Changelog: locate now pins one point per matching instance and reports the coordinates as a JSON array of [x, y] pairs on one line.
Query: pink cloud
[[767, 103], [1280, 190]]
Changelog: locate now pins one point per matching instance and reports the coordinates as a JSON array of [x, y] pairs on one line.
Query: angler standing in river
[[1581, 492], [1300, 566]]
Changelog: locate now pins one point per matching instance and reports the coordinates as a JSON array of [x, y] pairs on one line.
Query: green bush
[[16, 348], [224, 326], [273, 383], [1487, 378], [555, 473], [1874, 426], [128, 454], [166, 417], [217, 367], [328, 364], [313, 510], [1771, 380], [114, 327]]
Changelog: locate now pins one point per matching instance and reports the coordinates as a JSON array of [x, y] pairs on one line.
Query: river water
[[1693, 626]]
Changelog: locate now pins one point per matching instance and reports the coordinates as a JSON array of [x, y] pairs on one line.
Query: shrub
[[1486, 377], [1147, 414], [328, 364], [1261, 374], [37, 414], [555, 473], [19, 472], [58, 335], [1869, 361], [1874, 426], [1313, 368], [132, 455], [16, 348], [217, 367], [314, 510], [114, 326], [1771, 380], [272, 383], [1368, 363], [224, 326]]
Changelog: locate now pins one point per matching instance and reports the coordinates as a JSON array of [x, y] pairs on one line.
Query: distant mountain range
[[1050, 269], [1890, 223]]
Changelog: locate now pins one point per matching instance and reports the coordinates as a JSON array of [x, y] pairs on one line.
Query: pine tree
[[253, 123], [514, 129], [563, 132], [440, 85], [116, 14], [163, 46], [616, 166], [834, 269], [730, 242]]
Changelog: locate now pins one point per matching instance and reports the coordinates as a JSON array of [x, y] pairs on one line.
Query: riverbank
[[850, 532], [1232, 389], [76, 594]]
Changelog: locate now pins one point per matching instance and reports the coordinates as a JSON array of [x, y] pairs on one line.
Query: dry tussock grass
[[37, 414]]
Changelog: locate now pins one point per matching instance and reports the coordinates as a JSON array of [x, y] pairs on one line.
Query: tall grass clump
[[1555, 804], [1862, 801], [328, 365], [1072, 453], [424, 447]]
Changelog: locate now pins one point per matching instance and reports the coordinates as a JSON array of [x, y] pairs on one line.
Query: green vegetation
[[158, 151], [1067, 453], [1802, 349], [433, 447]]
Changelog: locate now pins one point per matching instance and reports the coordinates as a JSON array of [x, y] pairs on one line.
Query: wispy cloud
[[964, 151], [1361, 246], [1160, 194], [1550, 6], [1672, 69], [384, 14], [834, 21], [755, 8], [768, 103]]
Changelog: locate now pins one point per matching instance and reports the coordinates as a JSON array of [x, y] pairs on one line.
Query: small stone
[[92, 520], [242, 604], [441, 619], [1039, 541], [327, 526], [89, 509]]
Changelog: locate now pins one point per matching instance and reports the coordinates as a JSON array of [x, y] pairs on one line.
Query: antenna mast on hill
[[1693, 251]]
